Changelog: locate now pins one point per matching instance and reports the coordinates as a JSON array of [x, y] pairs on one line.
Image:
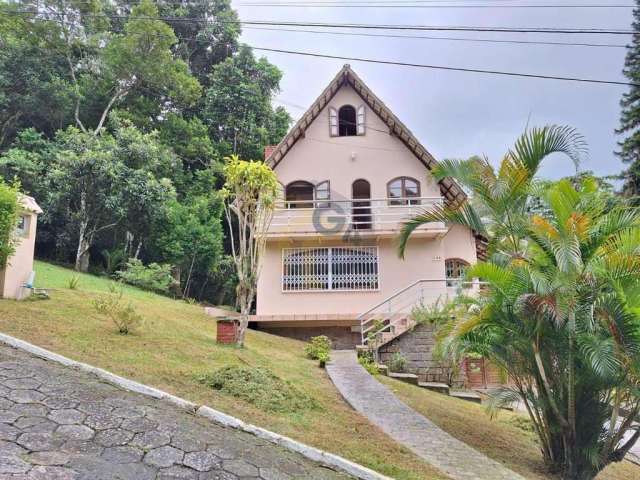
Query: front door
[[361, 211]]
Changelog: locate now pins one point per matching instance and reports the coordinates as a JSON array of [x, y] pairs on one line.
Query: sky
[[457, 114]]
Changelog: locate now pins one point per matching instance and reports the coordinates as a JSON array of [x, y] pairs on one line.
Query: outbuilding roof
[[29, 204]]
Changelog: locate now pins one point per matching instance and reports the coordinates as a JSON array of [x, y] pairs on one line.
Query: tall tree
[[250, 191], [563, 322], [105, 65], [629, 150], [238, 106]]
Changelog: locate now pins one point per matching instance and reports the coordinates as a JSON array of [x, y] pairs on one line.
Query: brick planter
[[227, 330]]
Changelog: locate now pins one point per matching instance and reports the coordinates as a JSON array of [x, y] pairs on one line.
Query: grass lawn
[[505, 438], [177, 343]]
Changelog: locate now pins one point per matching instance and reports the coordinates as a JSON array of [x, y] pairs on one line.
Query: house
[[20, 264], [351, 173]]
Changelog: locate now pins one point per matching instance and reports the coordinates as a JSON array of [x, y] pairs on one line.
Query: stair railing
[[384, 316]]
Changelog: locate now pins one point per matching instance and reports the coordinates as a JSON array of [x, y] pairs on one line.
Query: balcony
[[351, 218]]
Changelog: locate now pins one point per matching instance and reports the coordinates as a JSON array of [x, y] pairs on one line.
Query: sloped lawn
[[176, 344], [506, 438]]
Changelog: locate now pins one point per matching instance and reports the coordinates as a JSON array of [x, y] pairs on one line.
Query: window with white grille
[[331, 268]]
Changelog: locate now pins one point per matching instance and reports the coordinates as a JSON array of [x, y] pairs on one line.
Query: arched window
[[299, 194], [403, 191], [347, 125], [455, 271]]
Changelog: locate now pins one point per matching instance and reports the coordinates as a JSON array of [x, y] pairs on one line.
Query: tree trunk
[[82, 256], [245, 299], [82, 253]]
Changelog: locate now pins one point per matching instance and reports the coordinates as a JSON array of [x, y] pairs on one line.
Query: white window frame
[[325, 269], [460, 264], [22, 228]]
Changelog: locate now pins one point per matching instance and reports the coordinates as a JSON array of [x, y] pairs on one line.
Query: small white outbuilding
[[20, 265]]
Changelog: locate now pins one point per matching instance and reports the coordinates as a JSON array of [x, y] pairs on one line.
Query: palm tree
[[561, 311], [498, 199], [563, 321]]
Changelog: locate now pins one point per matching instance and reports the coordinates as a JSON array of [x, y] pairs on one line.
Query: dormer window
[[347, 121]]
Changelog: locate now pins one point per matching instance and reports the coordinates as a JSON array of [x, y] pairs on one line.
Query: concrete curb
[[325, 458]]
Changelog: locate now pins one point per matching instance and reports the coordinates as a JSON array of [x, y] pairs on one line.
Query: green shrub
[[369, 364], [8, 220], [124, 316], [113, 260], [397, 363], [323, 358], [260, 387], [318, 346], [155, 277]]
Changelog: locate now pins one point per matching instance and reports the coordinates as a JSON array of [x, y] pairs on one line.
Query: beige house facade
[[351, 175], [20, 264]]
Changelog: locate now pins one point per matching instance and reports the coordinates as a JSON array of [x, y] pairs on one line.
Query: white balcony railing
[[328, 217]]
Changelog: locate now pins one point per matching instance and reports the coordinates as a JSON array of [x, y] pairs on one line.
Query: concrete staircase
[[392, 317]]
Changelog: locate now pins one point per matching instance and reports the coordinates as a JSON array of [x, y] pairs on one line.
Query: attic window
[[347, 121]]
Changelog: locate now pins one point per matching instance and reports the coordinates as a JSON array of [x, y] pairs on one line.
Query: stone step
[[405, 377], [468, 396], [435, 387], [383, 369]]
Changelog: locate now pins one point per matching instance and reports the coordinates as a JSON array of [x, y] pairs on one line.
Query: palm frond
[[464, 214], [538, 143], [502, 397], [601, 354]]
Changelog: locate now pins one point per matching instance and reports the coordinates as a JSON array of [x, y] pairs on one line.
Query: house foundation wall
[[342, 338]]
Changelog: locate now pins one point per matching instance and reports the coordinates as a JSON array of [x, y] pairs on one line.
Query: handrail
[[399, 292], [364, 321]]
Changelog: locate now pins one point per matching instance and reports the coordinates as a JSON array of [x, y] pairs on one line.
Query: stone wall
[[417, 347]]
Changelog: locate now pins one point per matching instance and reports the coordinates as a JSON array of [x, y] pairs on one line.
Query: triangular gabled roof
[[450, 190]]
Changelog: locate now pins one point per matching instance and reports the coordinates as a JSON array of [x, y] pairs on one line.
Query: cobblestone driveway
[[60, 424]]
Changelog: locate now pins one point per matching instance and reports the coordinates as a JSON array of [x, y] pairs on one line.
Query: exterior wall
[[423, 259], [342, 338], [375, 156], [417, 348], [20, 265], [460, 243]]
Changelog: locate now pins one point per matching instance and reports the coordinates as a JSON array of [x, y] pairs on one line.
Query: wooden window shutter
[[360, 120], [333, 122], [323, 192]]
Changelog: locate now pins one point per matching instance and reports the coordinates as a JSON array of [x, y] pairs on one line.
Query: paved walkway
[[57, 423], [376, 402]]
